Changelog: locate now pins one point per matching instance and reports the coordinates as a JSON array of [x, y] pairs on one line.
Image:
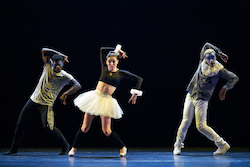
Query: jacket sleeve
[[209, 46], [230, 77]]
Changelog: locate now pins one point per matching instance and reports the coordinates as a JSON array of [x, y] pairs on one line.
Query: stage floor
[[136, 157]]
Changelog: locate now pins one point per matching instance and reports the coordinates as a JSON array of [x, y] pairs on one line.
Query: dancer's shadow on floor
[[86, 157]]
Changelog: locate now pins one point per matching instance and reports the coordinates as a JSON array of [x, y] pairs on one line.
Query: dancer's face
[[57, 65], [112, 63], [210, 58]]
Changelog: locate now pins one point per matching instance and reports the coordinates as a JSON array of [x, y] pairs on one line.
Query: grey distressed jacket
[[201, 86]]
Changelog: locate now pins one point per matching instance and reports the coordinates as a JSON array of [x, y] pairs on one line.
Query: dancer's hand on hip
[[63, 98]]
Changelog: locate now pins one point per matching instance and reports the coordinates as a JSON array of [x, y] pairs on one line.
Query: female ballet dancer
[[99, 102]]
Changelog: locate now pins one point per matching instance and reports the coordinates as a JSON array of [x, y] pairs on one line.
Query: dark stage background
[[163, 41]]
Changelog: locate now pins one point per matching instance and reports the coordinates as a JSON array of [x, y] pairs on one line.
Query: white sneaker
[[177, 151], [222, 150], [123, 151], [72, 152]]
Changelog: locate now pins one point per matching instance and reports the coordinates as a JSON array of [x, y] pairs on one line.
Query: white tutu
[[96, 103]]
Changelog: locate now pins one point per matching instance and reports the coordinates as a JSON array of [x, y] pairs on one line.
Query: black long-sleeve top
[[114, 78]]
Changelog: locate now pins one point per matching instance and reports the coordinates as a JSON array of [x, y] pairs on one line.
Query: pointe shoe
[[123, 151], [72, 152], [222, 150], [177, 151]]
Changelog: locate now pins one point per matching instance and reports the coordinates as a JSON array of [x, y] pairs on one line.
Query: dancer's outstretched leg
[[188, 114], [25, 116], [201, 124]]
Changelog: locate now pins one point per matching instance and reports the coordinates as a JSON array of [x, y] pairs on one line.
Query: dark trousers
[[25, 117]]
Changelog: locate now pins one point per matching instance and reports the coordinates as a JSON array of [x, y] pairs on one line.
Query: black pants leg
[[25, 116], [55, 132]]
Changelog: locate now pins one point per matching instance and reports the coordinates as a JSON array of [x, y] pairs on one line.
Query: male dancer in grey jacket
[[200, 90]]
